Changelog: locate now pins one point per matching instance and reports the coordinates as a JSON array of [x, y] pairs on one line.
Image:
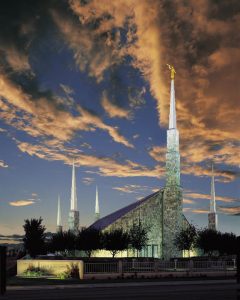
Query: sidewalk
[[123, 284]]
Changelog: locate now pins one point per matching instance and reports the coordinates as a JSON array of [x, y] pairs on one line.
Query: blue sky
[[90, 82]]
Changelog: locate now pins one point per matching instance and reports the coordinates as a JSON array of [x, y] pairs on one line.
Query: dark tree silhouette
[[186, 239], [34, 239], [208, 241], [64, 241], [138, 237], [115, 240], [227, 243], [69, 240], [89, 240]]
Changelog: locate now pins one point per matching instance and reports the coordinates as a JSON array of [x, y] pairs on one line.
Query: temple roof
[[111, 218]]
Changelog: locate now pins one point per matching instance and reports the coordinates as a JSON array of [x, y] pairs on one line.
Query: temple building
[[212, 216], [73, 217], [160, 212]]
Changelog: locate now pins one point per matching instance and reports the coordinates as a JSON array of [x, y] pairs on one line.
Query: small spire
[[73, 189], [59, 217], [97, 213], [213, 197]]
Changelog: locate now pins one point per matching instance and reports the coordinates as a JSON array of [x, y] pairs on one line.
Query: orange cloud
[[188, 201], [206, 81], [105, 166], [133, 188], [230, 210], [195, 211], [208, 197], [113, 110], [196, 153], [21, 202], [45, 117]]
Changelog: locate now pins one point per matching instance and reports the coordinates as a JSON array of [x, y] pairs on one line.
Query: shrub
[[36, 272], [71, 272]]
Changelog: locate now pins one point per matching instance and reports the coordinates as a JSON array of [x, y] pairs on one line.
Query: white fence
[[109, 267], [158, 266]]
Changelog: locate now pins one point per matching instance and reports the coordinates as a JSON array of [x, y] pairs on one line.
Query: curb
[[124, 284]]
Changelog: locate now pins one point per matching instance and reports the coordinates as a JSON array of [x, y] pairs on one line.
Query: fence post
[[234, 263], [190, 266], [3, 273], [175, 264], [81, 269], [120, 267], [155, 266]]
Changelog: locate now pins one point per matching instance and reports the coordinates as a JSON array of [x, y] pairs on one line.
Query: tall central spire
[[73, 190], [172, 197], [97, 214], [173, 156], [172, 114]]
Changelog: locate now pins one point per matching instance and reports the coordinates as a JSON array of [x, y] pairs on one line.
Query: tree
[[208, 240], [63, 241], [227, 243], [138, 237], [34, 239], [56, 242], [115, 240], [186, 239], [89, 240], [69, 240]]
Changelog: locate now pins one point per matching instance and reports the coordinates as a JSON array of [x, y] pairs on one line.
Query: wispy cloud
[[44, 117], [195, 210], [231, 210], [86, 145], [194, 195], [193, 156], [104, 166], [147, 35], [67, 89], [188, 201], [113, 110], [135, 188], [152, 40], [3, 164], [22, 202], [88, 180]]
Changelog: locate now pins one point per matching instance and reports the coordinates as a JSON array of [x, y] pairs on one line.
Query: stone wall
[[150, 214], [172, 220]]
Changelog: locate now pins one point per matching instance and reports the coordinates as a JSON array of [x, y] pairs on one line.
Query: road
[[203, 291]]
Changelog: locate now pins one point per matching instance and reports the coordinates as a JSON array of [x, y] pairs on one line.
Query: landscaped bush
[[71, 272], [36, 272]]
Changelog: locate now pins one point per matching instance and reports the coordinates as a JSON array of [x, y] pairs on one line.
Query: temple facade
[[160, 212]]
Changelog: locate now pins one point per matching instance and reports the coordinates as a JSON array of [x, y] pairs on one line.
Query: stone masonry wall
[[150, 214]]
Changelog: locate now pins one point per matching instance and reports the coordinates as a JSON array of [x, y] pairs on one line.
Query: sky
[[87, 80]]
